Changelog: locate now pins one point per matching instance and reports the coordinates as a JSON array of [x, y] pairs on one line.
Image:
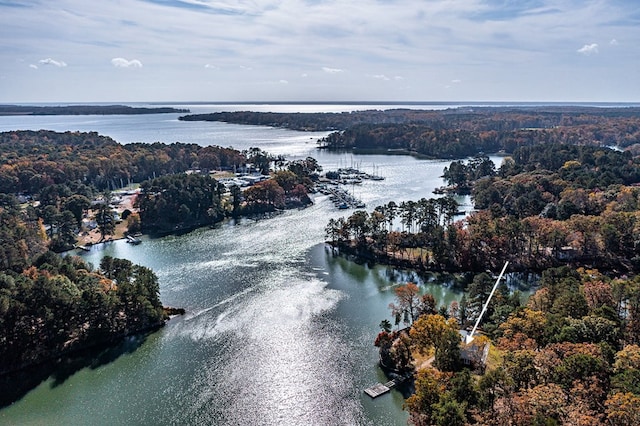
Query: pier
[[342, 199]]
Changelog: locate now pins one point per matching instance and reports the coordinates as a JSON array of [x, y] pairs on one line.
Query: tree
[[267, 193], [65, 236], [236, 199], [622, 409], [286, 179], [429, 386], [105, 220], [527, 322], [434, 331], [408, 302], [133, 223], [77, 204], [449, 412]]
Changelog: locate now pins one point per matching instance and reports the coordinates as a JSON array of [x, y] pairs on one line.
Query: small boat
[[133, 240]]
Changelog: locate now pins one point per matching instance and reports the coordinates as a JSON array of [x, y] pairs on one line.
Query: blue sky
[[319, 50]]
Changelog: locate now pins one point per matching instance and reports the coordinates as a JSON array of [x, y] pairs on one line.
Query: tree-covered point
[[58, 305], [586, 212], [85, 110], [31, 161]]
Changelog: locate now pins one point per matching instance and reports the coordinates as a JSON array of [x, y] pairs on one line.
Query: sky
[[319, 50]]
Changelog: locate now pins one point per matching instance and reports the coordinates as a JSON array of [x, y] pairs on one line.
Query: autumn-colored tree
[[407, 302], [429, 384], [597, 294], [626, 369], [527, 324], [434, 331], [622, 409], [545, 404]]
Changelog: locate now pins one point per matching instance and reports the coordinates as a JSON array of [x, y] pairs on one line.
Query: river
[[277, 331]]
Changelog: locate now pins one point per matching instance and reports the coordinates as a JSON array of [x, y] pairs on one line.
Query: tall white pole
[[469, 337]]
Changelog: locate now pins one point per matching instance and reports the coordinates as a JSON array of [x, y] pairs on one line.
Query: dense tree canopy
[[31, 161], [61, 304], [179, 201]]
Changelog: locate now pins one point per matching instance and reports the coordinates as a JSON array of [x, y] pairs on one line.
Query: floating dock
[[380, 389]]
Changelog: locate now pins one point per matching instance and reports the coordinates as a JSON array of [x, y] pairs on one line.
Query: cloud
[[124, 63], [53, 62], [284, 82], [380, 77], [456, 81], [613, 42], [213, 67], [332, 70], [589, 49], [33, 66]]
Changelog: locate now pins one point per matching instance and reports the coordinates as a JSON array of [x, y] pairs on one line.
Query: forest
[[58, 305], [52, 305], [31, 161], [455, 133]]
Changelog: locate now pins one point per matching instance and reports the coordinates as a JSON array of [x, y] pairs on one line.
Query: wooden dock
[[380, 389]]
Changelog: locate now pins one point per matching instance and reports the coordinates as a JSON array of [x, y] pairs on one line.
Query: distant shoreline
[[21, 110]]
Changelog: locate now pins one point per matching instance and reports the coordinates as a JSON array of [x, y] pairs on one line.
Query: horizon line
[[344, 102]]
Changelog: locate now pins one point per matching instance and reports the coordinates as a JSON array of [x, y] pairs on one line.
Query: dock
[[342, 199], [380, 388]]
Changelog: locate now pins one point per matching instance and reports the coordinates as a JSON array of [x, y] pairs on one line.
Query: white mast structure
[[469, 337]]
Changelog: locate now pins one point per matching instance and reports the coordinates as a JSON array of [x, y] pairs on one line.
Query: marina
[[341, 198]]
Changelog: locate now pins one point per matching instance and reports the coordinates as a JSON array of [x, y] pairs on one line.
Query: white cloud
[[332, 70], [456, 81], [125, 63], [613, 42], [213, 67], [284, 82], [589, 49], [380, 77], [33, 66], [53, 62]]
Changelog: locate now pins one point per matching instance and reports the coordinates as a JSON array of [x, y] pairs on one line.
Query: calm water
[[277, 331]]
